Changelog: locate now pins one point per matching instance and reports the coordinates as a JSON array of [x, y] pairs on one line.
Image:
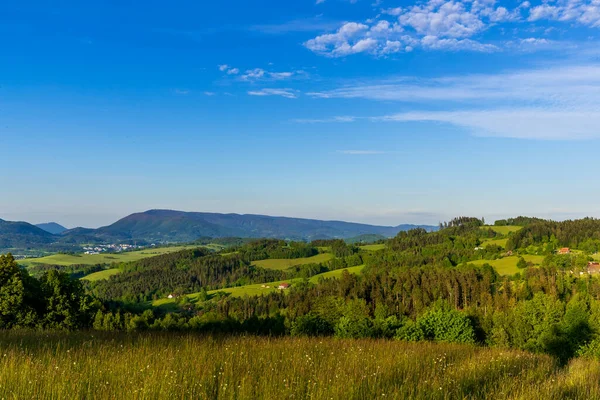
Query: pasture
[[104, 365], [372, 247], [100, 275], [281, 263], [503, 230], [103, 258], [495, 242], [508, 265]]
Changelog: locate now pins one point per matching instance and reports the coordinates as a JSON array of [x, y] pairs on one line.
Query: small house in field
[[283, 286], [593, 268], [171, 296], [564, 250]]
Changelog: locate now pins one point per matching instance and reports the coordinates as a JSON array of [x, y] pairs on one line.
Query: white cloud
[[287, 93], [433, 25], [584, 12], [447, 19], [326, 120], [228, 69], [447, 25], [182, 92], [453, 44], [258, 74], [209, 93]]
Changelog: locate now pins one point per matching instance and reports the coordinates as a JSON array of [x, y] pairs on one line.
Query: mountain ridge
[[52, 227], [172, 226]]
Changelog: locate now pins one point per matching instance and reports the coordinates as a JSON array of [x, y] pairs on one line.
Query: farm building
[[564, 250], [283, 286], [593, 268]]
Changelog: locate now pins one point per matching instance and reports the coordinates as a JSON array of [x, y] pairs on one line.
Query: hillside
[[52, 227], [178, 226], [167, 226], [23, 235]]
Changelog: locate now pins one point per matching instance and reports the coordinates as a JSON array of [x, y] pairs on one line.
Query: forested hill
[[179, 226], [159, 226], [52, 227], [22, 235]]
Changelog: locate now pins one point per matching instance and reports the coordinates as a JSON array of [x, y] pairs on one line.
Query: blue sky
[[383, 112]]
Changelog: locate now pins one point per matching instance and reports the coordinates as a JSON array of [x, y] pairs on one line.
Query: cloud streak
[[559, 103], [287, 93]]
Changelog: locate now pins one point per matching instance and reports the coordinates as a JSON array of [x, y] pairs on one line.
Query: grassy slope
[[281, 264], [503, 230], [175, 366], [495, 242], [93, 259], [258, 289], [508, 265], [98, 276], [372, 247]]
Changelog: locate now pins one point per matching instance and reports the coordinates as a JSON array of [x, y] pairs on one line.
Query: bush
[[445, 325]]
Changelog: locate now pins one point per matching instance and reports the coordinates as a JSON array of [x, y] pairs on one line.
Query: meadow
[[495, 242], [97, 276], [103, 258], [503, 230], [372, 247], [97, 365], [508, 265]]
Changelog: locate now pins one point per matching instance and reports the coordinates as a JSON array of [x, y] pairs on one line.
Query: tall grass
[[172, 366]]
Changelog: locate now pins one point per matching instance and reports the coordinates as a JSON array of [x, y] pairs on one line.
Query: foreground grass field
[[94, 259], [172, 366], [280, 263], [508, 265]]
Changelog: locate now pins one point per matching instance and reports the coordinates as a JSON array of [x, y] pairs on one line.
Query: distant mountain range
[[162, 226], [52, 227]]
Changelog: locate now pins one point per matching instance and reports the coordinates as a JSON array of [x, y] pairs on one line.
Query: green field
[[106, 365], [503, 230], [495, 242], [281, 263], [337, 273], [108, 258], [372, 247], [508, 265], [260, 288], [100, 275]]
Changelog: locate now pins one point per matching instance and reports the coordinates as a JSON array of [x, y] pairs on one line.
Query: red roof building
[[564, 250]]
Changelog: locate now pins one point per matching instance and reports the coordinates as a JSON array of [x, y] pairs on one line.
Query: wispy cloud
[[181, 92], [346, 118], [541, 124], [314, 24], [260, 74], [558, 103], [287, 93]]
